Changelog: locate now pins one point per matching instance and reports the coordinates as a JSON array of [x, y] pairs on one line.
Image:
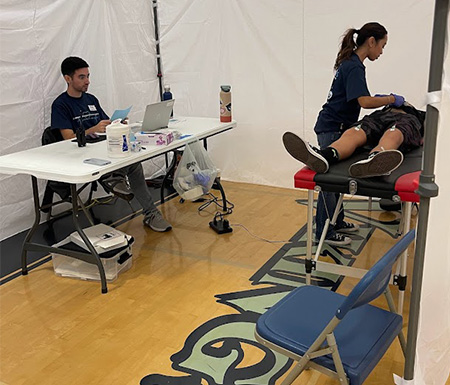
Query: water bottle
[[167, 95], [80, 134], [225, 104]]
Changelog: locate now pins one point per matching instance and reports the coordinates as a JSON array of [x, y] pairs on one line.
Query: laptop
[[157, 115]]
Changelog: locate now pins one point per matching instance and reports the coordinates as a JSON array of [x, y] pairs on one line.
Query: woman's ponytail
[[349, 44]]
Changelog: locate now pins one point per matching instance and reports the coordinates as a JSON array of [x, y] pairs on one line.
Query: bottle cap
[[167, 88], [225, 88]]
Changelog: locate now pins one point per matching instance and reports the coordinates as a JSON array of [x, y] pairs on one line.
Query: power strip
[[220, 226]]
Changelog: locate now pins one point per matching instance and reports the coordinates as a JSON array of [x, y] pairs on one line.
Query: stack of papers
[[103, 238]]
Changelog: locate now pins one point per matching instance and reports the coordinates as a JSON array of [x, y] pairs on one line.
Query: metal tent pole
[[427, 186], [157, 46]]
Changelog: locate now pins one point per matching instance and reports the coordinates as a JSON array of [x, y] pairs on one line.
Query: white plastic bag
[[195, 173]]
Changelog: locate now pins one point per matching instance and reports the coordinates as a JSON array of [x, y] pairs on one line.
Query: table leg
[[401, 275], [169, 170], [309, 237], [95, 256], [37, 219]]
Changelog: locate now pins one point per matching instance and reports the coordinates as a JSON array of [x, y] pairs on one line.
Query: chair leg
[[337, 359], [296, 371], [85, 211], [392, 308]]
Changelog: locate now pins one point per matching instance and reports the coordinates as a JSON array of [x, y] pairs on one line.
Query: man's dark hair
[[71, 64]]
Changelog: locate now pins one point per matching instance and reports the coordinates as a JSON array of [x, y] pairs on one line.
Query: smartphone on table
[[97, 162]]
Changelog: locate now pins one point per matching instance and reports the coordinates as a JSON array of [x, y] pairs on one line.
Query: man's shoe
[[377, 164], [304, 152], [156, 221], [347, 227], [338, 240], [117, 185]]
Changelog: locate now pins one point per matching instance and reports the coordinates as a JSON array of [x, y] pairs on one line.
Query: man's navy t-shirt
[[342, 108], [70, 112]]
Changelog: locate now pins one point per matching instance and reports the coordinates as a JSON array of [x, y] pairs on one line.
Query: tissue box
[[155, 139]]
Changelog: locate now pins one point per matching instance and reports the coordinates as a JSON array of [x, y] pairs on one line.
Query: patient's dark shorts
[[378, 122]]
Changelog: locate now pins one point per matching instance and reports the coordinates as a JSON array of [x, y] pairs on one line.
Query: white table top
[[63, 161]]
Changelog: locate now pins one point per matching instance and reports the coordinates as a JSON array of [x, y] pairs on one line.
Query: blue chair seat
[[362, 337]]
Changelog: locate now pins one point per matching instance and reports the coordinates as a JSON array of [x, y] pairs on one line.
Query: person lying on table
[[392, 132], [75, 108]]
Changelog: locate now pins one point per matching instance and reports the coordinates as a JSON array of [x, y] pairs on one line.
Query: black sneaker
[[117, 185], [338, 240], [347, 227], [377, 164], [304, 152]]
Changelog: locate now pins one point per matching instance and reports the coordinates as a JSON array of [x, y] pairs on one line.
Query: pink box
[[157, 139]]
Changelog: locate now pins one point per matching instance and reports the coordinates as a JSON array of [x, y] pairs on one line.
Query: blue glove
[[399, 100]]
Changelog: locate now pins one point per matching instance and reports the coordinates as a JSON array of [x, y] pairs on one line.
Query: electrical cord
[[258, 237], [219, 203], [219, 216]]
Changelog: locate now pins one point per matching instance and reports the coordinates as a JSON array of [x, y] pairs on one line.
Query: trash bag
[[195, 173]]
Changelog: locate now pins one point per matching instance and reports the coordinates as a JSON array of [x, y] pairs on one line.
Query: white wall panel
[[114, 37]]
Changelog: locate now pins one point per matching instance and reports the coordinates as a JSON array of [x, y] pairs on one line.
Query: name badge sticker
[[92, 108]]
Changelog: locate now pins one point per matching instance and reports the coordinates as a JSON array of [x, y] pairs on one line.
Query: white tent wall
[[114, 37], [277, 55], [256, 46]]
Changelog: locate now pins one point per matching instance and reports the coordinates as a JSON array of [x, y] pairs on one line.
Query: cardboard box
[[154, 139]]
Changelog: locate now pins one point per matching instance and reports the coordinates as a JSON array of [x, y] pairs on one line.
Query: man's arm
[[67, 133]]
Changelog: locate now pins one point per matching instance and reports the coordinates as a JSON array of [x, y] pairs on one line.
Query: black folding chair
[[62, 189]]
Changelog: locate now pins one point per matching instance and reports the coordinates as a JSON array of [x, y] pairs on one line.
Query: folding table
[[63, 162]]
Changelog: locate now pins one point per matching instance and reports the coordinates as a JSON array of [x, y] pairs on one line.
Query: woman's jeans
[[327, 201]]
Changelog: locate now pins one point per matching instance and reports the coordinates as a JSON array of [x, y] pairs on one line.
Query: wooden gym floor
[[64, 331]]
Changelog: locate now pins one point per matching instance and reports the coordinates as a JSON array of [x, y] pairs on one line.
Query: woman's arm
[[375, 101]]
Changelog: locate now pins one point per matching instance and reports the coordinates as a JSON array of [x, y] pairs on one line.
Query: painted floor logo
[[214, 353]]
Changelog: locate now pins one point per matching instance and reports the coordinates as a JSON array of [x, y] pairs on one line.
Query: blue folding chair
[[341, 336]]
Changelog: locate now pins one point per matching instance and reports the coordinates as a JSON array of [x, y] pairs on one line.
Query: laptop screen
[[157, 115]]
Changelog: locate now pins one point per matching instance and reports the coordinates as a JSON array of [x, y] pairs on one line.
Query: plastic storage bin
[[113, 263]]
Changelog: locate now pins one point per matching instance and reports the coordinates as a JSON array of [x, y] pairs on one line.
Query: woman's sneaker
[[304, 152], [338, 240], [347, 227], [377, 164]]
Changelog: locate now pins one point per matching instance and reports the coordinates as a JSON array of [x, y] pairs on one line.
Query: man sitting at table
[[75, 108]]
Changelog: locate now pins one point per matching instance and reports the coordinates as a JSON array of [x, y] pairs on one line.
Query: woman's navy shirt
[[342, 108]]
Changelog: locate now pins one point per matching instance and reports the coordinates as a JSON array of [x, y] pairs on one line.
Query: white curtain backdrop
[[278, 57], [114, 37]]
